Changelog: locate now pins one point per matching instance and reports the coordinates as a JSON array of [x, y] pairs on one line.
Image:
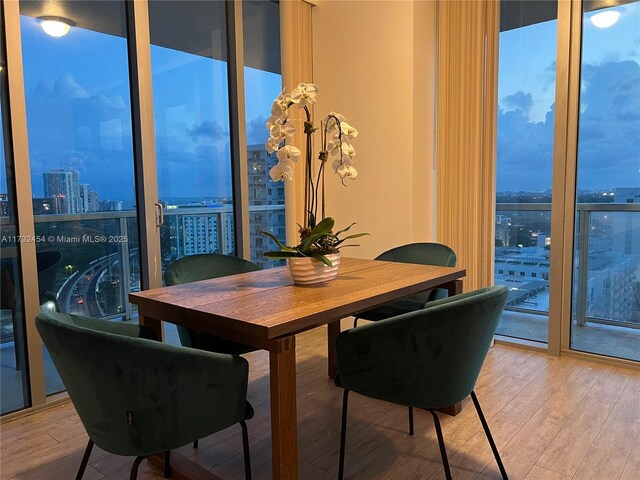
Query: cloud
[[257, 132], [608, 138], [519, 100], [207, 130]]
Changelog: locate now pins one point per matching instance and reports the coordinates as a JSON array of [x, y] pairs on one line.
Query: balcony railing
[[596, 222], [100, 276]]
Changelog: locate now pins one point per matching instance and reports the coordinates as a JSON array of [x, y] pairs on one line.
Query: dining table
[[266, 310]]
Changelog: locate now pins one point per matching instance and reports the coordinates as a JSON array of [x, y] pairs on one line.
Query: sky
[[609, 125], [79, 114], [79, 110]]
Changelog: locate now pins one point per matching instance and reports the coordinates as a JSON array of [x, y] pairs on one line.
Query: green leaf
[[324, 226], [282, 254], [350, 245], [283, 247], [344, 229], [322, 258], [356, 235], [310, 240]]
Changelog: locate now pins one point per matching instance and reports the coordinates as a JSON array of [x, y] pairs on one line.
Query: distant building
[[64, 183], [89, 198], [4, 205], [263, 192], [111, 206], [50, 206], [626, 195]]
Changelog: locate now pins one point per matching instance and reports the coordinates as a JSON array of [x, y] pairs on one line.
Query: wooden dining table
[[266, 310]]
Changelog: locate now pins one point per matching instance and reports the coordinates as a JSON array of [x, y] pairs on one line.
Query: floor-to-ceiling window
[[14, 393], [606, 304], [263, 83], [89, 163], [526, 93], [77, 96], [589, 147]]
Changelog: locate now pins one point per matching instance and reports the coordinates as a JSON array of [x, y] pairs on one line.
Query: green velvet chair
[[420, 253], [428, 359], [139, 397], [203, 267]]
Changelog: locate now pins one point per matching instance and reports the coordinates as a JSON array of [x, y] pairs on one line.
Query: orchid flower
[[305, 94], [347, 171], [334, 146], [348, 151], [280, 106], [282, 132], [288, 154], [348, 131], [281, 171], [272, 145]]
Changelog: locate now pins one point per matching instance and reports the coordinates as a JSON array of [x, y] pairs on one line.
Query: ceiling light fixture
[[55, 27], [605, 19]]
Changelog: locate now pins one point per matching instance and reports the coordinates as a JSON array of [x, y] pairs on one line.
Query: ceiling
[[197, 27]]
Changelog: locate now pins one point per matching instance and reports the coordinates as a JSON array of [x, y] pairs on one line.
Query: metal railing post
[[125, 268], [584, 218]]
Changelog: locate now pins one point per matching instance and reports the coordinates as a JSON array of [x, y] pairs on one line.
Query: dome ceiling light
[[55, 27]]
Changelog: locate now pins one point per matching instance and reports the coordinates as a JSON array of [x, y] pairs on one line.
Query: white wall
[[374, 63]]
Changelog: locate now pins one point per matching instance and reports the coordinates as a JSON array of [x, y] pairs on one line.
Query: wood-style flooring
[[552, 418]]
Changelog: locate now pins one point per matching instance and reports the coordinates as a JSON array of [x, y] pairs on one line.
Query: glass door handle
[[159, 215]]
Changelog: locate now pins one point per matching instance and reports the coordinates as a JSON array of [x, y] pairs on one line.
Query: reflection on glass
[[81, 156], [263, 83], [606, 303], [14, 393], [526, 92], [191, 113]]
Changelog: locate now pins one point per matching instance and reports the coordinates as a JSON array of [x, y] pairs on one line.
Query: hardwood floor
[[552, 418]]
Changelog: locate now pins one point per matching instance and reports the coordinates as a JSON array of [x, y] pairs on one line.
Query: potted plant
[[317, 257]]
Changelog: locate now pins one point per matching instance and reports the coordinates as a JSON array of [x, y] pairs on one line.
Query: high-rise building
[[263, 192], [64, 182], [89, 198]]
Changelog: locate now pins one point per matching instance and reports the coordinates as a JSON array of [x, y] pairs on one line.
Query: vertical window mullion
[[237, 122]]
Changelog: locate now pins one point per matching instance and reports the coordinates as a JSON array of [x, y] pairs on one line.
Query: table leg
[[284, 417], [155, 325], [453, 288], [333, 329]]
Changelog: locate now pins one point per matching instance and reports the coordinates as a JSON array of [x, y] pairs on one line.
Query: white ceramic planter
[[307, 270]]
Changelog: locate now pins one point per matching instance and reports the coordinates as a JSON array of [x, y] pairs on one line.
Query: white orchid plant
[[316, 237]]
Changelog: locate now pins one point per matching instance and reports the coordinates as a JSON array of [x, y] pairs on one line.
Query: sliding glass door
[[14, 387], [526, 93], [129, 104], [606, 280], [581, 133]]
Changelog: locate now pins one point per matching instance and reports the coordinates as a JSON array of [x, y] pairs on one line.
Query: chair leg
[[134, 468], [355, 322], [245, 450], [410, 420], [167, 464], [85, 460], [487, 432], [195, 444], [343, 433], [443, 450]]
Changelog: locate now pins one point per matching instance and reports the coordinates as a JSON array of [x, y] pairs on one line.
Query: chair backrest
[[425, 253], [136, 396], [430, 358], [203, 267]]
